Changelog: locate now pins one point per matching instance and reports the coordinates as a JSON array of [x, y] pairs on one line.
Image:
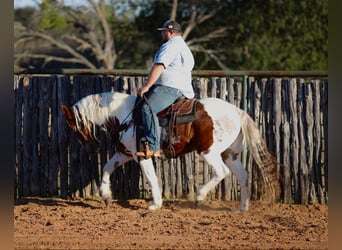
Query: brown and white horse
[[217, 134]]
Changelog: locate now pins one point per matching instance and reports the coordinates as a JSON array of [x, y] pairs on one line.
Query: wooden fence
[[291, 112]]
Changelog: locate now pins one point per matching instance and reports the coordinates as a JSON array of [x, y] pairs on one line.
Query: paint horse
[[217, 134]]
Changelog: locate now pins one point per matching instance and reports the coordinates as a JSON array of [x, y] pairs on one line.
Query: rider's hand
[[142, 90]]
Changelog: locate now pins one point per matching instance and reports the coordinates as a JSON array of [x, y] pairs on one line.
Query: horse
[[218, 134]]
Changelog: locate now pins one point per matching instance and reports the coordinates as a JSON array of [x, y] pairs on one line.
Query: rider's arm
[[155, 72]]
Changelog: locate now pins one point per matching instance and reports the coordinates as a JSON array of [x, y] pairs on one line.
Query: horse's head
[[84, 130]]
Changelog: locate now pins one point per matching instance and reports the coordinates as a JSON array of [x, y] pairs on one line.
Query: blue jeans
[[159, 97]]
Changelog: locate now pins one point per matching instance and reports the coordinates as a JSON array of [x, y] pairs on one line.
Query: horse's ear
[[68, 113]]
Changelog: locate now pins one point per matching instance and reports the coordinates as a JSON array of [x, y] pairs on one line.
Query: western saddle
[[180, 112]]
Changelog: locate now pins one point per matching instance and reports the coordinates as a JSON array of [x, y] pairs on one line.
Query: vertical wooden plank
[[196, 172], [179, 177], [107, 83], [95, 159], [204, 87], [230, 89], [125, 85], [263, 107], [44, 106], [135, 84], [84, 186], [63, 92], [222, 94], [324, 104], [166, 170], [294, 139], [309, 119], [75, 147], [196, 83], [286, 135], [270, 118], [85, 159], [53, 154], [35, 167], [94, 175], [253, 107], [277, 116], [172, 178], [257, 99], [223, 88], [189, 175], [135, 177], [158, 168], [19, 173], [238, 93], [303, 167], [27, 134], [317, 139], [213, 85]]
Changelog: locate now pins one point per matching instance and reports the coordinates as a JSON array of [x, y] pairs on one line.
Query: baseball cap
[[171, 25]]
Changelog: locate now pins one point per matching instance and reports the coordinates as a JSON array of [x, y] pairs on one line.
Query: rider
[[169, 78]]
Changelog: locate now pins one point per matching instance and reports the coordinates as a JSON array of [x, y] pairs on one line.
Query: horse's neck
[[99, 108], [121, 106]]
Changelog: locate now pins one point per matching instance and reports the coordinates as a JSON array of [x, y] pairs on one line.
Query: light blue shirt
[[178, 62]]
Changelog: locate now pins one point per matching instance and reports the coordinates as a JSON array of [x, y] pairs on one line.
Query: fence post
[[244, 107]]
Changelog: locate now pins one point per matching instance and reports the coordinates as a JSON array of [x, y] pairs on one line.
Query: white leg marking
[[220, 171], [241, 174], [150, 174], [114, 162]]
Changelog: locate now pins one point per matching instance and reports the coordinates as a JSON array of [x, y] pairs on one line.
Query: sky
[[24, 3]]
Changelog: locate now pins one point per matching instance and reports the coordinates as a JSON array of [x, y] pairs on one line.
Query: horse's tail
[[267, 175]]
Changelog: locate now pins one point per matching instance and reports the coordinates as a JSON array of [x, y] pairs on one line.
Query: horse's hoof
[[107, 201], [241, 210], [154, 207], [198, 203]]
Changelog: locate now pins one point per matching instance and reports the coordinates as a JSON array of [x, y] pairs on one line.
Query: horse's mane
[[97, 108]]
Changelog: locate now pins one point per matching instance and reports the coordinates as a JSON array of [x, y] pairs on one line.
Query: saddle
[[182, 111]]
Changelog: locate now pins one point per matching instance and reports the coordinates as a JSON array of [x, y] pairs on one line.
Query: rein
[[125, 125]]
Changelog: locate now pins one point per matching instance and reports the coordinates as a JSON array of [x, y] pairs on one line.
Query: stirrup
[[148, 153]]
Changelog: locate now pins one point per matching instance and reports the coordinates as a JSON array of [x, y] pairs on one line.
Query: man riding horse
[[169, 79]]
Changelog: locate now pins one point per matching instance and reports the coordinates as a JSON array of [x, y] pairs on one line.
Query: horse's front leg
[[149, 172], [116, 161]]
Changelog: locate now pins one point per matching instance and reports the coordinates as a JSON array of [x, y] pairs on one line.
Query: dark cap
[[171, 25]]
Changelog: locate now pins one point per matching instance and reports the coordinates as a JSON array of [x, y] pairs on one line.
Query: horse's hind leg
[[232, 160], [237, 169], [220, 171]]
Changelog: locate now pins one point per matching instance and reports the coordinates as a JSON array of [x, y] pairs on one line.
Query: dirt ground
[[89, 224]]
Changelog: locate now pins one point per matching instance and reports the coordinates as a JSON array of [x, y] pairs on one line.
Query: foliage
[[223, 34], [51, 16], [277, 35]]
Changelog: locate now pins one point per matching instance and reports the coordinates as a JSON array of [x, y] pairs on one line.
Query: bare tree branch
[[211, 54], [173, 14], [108, 53], [220, 32], [99, 41], [198, 17], [62, 45]]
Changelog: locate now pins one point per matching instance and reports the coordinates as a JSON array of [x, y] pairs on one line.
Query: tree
[[277, 35], [223, 34], [84, 36], [199, 20]]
